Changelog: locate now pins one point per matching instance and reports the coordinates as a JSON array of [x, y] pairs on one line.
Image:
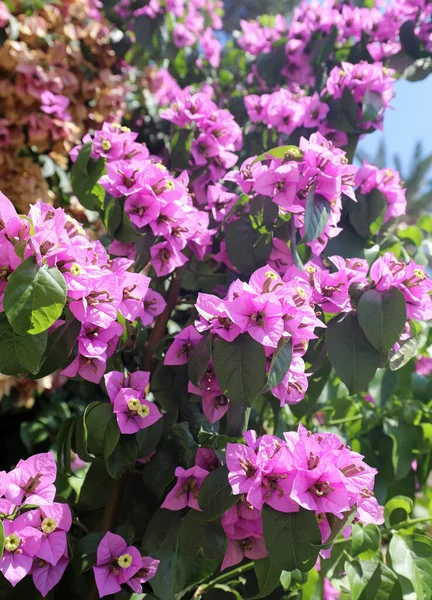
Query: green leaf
[[111, 437], [316, 217], [180, 149], [2, 539], [397, 509], [280, 364], [406, 352], [363, 576], [215, 496], [292, 539], [405, 438], [59, 348], [285, 153], [372, 106], [34, 297], [338, 525], [20, 354], [200, 536], [404, 564], [148, 438], [268, 576], [159, 472], [351, 355], [199, 359], [240, 368], [365, 541], [123, 458], [86, 552], [343, 115], [96, 422], [85, 174], [247, 248], [382, 317]]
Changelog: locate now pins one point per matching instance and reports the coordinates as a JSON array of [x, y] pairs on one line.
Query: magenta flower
[[148, 569], [46, 576], [32, 481], [252, 547], [22, 542], [166, 258], [184, 342], [116, 564], [133, 412], [185, 492]]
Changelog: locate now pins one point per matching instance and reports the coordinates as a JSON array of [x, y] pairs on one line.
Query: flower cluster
[[118, 564], [317, 472], [52, 93], [335, 291], [388, 182], [319, 168], [156, 202], [127, 395], [98, 288], [193, 22], [35, 540], [371, 86], [216, 136], [268, 309]]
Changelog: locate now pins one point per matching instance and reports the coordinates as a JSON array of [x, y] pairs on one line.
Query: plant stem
[[346, 420], [205, 587], [407, 523]]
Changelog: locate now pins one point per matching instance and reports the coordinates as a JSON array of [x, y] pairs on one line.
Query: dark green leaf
[[86, 551], [59, 348], [159, 472], [215, 495], [267, 575], [96, 421], [351, 355], [85, 174], [247, 248], [34, 297], [199, 359], [280, 364], [20, 354], [180, 149], [382, 317], [372, 106], [123, 458], [148, 438], [200, 536], [343, 114], [111, 437], [240, 368], [317, 215], [292, 539]]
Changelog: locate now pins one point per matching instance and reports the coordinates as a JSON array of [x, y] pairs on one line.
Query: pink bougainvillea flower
[[185, 491]]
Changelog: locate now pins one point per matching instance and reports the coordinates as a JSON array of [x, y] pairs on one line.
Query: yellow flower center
[[134, 404], [75, 270], [12, 542], [124, 561], [48, 525], [143, 411]]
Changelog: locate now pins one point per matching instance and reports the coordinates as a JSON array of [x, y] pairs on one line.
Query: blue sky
[[409, 122]]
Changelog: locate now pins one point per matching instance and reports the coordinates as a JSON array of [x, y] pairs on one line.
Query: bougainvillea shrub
[[217, 329]]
